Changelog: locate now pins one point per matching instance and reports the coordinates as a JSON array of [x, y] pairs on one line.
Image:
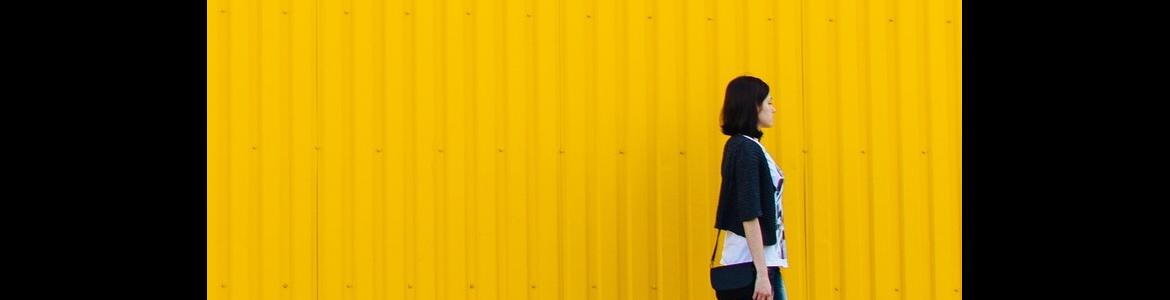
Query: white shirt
[[735, 248]]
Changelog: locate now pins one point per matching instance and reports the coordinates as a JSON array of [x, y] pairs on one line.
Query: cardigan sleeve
[[747, 183]]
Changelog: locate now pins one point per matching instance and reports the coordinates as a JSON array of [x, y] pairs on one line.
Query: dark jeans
[[778, 290]]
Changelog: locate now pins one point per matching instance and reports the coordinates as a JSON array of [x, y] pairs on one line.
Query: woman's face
[[766, 111]]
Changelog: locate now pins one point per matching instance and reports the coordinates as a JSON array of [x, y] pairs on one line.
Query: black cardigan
[[746, 191]]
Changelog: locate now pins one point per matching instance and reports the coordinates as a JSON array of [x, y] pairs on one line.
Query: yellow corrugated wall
[[535, 149]]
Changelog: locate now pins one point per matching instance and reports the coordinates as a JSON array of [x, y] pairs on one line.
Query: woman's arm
[[755, 243]]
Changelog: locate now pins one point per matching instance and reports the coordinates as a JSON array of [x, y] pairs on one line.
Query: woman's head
[[747, 107]]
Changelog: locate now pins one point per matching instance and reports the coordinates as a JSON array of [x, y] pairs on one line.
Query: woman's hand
[[763, 287]]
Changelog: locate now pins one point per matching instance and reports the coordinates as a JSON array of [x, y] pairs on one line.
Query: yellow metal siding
[[524, 149]]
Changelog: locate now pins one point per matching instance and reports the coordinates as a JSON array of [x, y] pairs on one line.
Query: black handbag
[[731, 277]]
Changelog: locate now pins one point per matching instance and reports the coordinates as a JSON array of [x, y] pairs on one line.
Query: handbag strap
[[717, 231]]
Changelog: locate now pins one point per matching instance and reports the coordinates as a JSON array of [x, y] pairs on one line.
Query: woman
[[750, 214]]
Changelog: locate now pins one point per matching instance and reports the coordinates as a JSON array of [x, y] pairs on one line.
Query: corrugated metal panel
[[516, 149]]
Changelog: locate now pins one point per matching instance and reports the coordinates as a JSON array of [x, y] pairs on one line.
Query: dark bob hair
[[741, 106]]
